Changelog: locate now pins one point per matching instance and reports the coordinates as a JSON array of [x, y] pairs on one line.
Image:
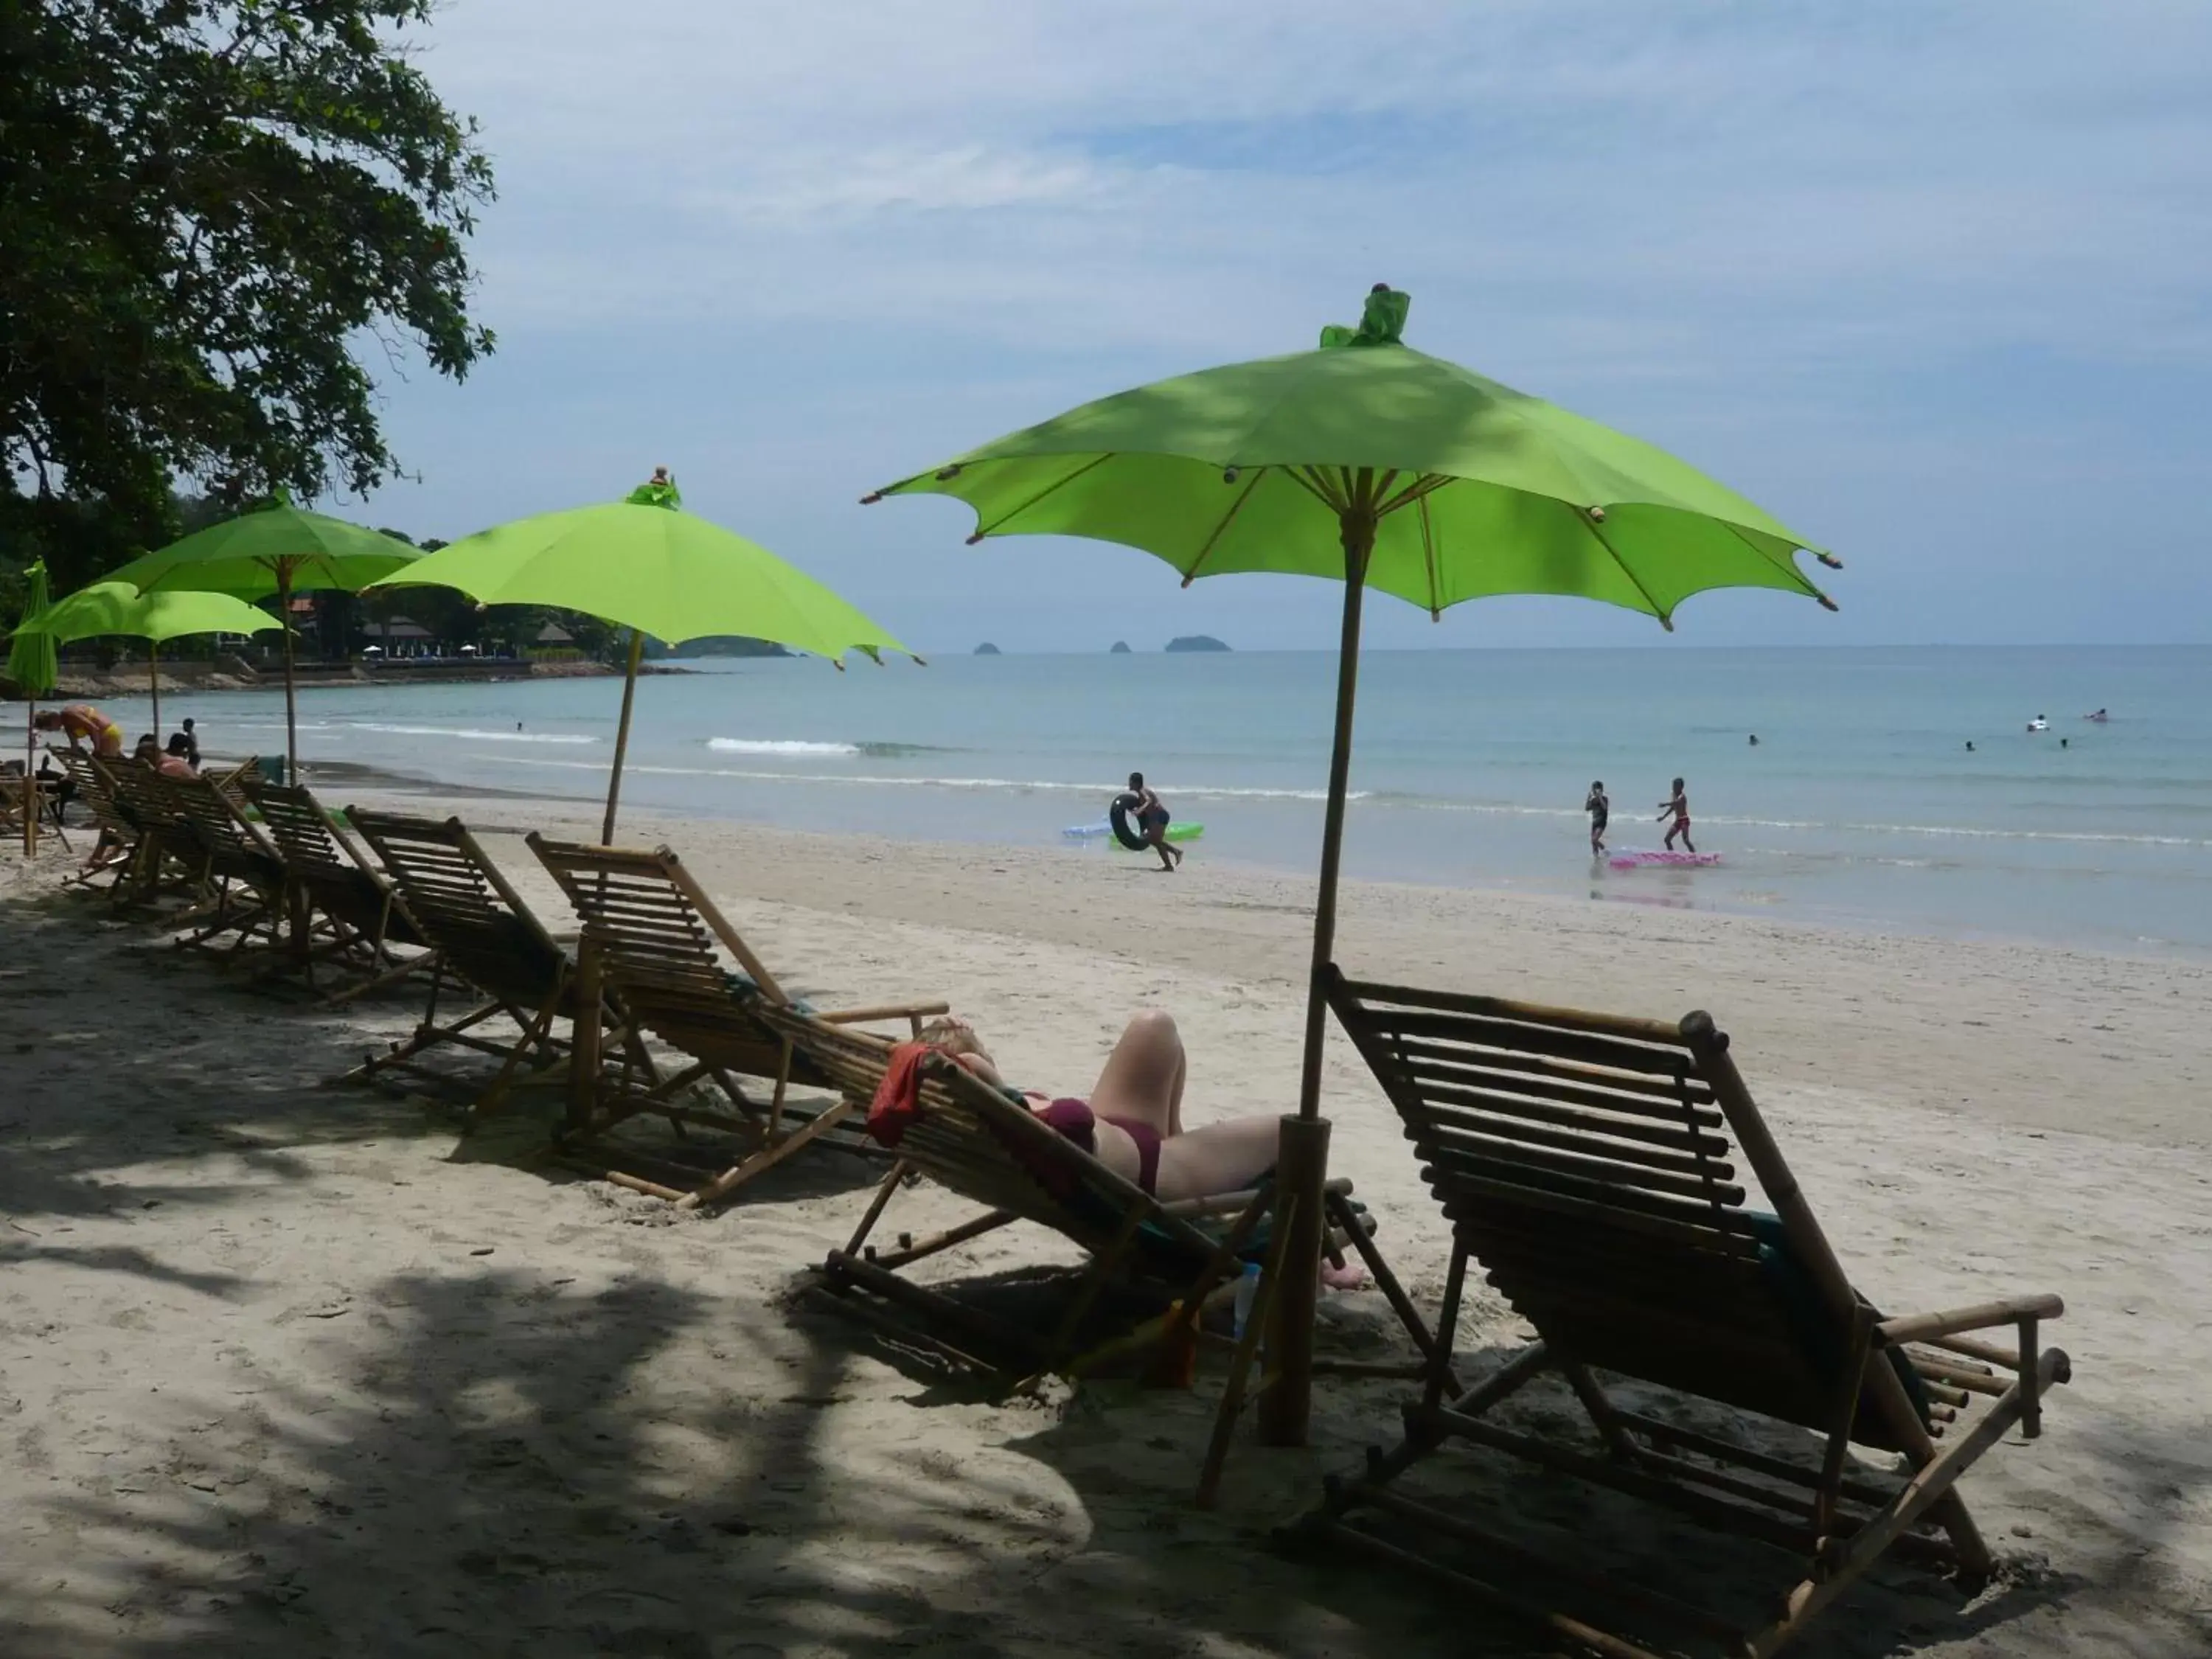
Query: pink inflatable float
[[1633, 859]]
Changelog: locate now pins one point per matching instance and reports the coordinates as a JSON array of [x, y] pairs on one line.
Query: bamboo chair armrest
[[1231, 1203], [1922, 1327], [881, 1011]]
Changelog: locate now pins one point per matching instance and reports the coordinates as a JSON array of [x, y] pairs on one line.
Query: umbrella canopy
[[31, 662], [1472, 488], [645, 563], [1372, 463], [280, 550], [118, 608], [31, 665]]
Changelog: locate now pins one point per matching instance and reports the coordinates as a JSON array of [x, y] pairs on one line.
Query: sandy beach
[[289, 1369]]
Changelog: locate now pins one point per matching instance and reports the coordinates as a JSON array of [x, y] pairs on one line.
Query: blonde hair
[[953, 1036]]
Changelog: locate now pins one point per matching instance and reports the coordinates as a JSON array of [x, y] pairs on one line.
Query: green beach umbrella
[[282, 550], [1378, 465], [32, 666], [118, 608], [646, 564]]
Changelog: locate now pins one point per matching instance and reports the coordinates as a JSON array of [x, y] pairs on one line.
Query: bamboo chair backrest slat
[[1586, 1162], [136, 790], [97, 791], [464, 905], [656, 933], [235, 846], [324, 858]]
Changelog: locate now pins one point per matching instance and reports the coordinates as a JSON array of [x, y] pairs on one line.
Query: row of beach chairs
[[1610, 1178]]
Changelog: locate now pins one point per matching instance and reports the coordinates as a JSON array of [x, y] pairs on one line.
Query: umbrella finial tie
[[946, 474], [1830, 559], [973, 539], [1597, 514], [872, 498], [1229, 475], [1826, 603]]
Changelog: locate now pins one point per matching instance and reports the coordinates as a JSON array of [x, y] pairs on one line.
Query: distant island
[[1195, 642], [720, 645], [987, 649], [1120, 648]]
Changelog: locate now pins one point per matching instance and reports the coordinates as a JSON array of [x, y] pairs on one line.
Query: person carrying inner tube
[[1152, 821]]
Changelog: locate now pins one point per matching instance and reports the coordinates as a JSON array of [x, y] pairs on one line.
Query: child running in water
[[1600, 810], [1679, 807]]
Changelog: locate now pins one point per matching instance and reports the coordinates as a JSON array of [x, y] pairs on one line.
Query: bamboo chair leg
[[876, 1206], [1850, 1387], [911, 1250], [767, 1158], [1599, 1408], [1103, 1266], [533, 1033], [1409, 1317], [1440, 1377], [1185, 1312], [1240, 1367], [1924, 1494]]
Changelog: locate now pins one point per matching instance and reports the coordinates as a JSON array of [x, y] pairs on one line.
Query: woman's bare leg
[[1143, 1077], [1218, 1158]]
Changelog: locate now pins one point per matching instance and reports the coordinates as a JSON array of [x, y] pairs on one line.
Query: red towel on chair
[[898, 1097]]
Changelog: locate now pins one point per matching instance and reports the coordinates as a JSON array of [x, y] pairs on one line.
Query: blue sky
[[1932, 283]]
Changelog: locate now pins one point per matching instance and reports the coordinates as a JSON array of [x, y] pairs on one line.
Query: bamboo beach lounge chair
[[169, 854], [166, 855], [346, 911], [652, 934], [490, 947], [990, 1148], [115, 828], [245, 867], [1585, 1164]]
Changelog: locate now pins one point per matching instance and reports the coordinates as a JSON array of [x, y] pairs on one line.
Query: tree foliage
[[206, 208]]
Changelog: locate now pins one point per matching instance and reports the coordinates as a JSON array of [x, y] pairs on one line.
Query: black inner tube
[[1118, 816]]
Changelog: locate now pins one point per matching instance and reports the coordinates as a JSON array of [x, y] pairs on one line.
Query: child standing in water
[[1679, 807], [1600, 810], [1151, 817]]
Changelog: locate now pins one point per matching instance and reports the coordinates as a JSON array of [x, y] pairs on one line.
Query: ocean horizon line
[[1661, 642]]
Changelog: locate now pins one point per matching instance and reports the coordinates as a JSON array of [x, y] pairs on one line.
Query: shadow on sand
[[500, 1465]]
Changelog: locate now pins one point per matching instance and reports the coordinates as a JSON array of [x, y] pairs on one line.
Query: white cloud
[[860, 234]]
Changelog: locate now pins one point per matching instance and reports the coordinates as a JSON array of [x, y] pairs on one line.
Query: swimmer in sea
[[1677, 806]]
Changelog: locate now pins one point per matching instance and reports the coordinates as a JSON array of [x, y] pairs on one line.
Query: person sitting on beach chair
[[176, 760], [1132, 1121]]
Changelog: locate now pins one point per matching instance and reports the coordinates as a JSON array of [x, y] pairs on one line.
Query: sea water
[[1860, 804]]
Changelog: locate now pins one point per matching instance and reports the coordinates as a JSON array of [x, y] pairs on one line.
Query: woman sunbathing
[[1133, 1122]]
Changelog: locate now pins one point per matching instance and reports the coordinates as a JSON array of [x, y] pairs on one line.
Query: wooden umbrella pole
[[622, 735], [30, 783], [1302, 1154], [291, 715], [154, 682]]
